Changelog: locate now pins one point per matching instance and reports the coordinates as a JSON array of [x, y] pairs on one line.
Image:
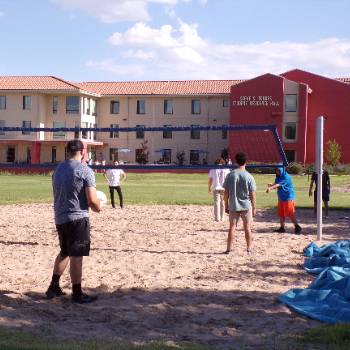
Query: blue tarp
[[326, 299]]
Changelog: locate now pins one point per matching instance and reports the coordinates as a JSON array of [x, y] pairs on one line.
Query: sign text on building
[[255, 101]]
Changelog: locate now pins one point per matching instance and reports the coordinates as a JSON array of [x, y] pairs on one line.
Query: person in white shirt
[[215, 186], [115, 178]]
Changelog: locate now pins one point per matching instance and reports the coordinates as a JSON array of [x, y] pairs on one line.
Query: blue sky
[[114, 40]]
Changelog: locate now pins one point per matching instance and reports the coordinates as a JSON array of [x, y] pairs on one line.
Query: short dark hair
[[241, 158], [74, 146]]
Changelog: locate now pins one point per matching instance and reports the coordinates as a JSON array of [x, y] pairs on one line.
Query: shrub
[[334, 152], [295, 168]]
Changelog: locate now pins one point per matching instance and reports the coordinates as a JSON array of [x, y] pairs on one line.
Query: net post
[[319, 171], [279, 145]]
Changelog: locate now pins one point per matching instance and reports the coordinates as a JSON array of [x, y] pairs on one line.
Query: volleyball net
[[204, 144]]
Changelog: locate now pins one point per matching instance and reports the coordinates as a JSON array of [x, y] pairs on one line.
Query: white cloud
[[139, 54], [181, 53], [122, 70], [110, 11]]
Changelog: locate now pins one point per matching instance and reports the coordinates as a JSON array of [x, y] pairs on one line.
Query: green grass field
[[164, 188]]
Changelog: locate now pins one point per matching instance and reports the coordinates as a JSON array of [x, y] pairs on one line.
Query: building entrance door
[[53, 154], [11, 154], [29, 155]]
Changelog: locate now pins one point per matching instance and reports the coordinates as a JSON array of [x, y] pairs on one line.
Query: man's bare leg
[[248, 234], [230, 236], [60, 265], [326, 208]]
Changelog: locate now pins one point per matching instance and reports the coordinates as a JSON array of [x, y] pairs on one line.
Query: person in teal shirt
[[240, 201]]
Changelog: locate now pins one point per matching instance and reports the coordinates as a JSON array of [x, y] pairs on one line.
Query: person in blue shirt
[[285, 192]]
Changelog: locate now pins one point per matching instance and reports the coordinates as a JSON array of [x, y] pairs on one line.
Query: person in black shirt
[[326, 190]]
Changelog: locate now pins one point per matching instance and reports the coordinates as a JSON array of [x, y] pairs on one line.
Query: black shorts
[[325, 196], [74, 237]]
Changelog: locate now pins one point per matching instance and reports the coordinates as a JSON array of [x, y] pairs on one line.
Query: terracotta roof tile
[[35, 83], [186, 87]]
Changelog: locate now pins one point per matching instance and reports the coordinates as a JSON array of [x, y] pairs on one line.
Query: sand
[[160, 275]]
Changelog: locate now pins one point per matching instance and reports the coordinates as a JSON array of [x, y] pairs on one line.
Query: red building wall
[[257, 101], [331, 99]]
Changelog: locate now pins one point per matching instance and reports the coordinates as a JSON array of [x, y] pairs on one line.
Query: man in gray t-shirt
[[69, 182], [240, 200], [74, 191]]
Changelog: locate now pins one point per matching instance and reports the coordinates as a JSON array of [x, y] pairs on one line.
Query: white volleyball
[[102, 197]]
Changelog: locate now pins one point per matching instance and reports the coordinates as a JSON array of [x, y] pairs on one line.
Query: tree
[[142, 155], [225, 154], [180, 157], [334, 152]]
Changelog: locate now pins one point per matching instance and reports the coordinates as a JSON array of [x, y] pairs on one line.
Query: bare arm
[[252, 196], [271, 187], [311, 186], [92, 199], [226, 196], [210, 182]]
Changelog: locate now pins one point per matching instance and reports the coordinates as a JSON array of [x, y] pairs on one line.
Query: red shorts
[[286, 209]]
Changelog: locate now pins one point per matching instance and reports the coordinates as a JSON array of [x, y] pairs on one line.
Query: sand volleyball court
[[160, 275]]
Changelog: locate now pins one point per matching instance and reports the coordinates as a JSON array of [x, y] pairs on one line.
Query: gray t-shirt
[[69, 182], [239, 183]]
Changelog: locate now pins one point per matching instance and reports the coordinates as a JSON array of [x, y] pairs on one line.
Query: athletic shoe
[[227, 252], [280, 230], [297, 230], [83, 298], [54, 291]]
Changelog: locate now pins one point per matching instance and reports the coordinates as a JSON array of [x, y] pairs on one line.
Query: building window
[[168, 107], [2, 102], [94, 107], [194, 157], [2, 125], [93, 132], [225, 102], [141, 107], [27, 102], [224, 134], [196, 107], [26, 124], [54, 104], [114, 134], [72, 104], [140, 134], [113, 154], [290, 154], [167, 134], [115, 107], [84, 133], [291, 103], [290, 131], [195, 134], [166, 155], [88, 106], [59, 135], [77, 133]]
